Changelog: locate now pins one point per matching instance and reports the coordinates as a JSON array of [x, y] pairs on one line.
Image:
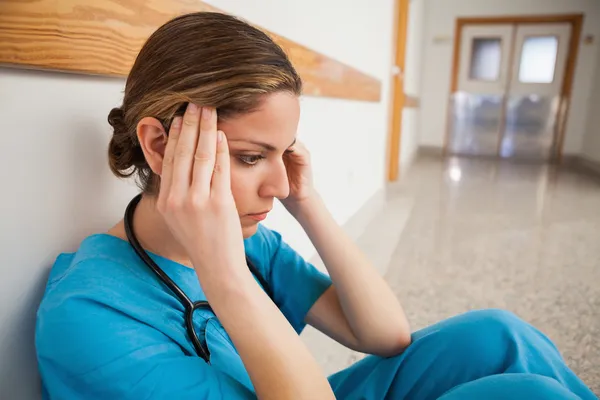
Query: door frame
[[398, 98], [576, 22]]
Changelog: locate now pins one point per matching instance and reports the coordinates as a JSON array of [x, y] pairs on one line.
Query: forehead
[[275, 120]]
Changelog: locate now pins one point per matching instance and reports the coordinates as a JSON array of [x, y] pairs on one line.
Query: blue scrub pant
[[487, 354]]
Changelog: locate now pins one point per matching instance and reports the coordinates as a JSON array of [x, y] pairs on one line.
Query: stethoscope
[[190, 306]]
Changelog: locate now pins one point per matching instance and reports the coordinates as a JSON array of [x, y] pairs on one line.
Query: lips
[[259, 216]]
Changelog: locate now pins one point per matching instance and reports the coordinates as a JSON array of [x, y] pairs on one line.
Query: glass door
[[533, 96], [476, 107], [508, 90]]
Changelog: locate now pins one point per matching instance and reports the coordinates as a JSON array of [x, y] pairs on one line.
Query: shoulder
[[265, 242], [93, 270], [91, 296], [95, 280], [262, 247], [268, 249], [82, 275]]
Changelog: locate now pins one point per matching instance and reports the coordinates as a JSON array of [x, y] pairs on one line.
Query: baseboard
[[590, 165], [582, 164]]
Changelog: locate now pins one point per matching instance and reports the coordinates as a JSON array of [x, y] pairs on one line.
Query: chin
[[249, 230]]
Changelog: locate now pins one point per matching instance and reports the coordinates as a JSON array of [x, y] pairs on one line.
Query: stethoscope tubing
[[190, 306]]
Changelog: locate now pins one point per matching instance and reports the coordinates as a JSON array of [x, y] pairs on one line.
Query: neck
[[152, 232]]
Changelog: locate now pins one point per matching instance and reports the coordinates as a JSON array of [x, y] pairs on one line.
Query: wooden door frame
[[398, 98], [576, 21]]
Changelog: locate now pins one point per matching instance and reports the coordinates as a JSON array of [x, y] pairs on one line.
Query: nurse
[[208, 126]]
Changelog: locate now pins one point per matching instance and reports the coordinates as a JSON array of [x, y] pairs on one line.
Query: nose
[[276, 182]]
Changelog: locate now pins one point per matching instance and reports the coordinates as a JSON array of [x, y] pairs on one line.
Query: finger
[[167, 164], [221, 179], [298, 153], [204, 159], [184, 151], [299, 148]]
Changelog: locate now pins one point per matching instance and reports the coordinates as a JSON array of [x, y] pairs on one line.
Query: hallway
[[525, 238]]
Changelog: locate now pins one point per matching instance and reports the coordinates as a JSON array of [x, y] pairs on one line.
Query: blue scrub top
[[108, 328]]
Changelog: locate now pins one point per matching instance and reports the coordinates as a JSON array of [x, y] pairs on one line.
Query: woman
[[208, 124]]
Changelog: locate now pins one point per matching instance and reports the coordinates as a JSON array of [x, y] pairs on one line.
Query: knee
[[491, 324], [484, 337], [494, 323]]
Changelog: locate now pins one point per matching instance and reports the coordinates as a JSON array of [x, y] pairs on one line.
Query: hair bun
[[122, 153], [116, 119]]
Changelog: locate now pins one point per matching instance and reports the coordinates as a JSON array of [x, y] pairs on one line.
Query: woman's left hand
[[299, 172]]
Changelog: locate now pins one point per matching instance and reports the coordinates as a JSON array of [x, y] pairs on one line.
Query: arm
[[196, 202], [275, 357], [359, 310]]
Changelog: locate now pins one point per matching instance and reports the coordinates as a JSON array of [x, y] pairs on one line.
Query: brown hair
[[210, 59]]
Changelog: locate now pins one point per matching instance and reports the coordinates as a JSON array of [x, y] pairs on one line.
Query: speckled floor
[[520, 237]]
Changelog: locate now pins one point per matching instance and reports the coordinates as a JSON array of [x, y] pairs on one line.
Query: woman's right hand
[[195, 196]]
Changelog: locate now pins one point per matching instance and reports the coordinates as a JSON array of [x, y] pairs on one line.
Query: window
[[486, 54], [538, 59]]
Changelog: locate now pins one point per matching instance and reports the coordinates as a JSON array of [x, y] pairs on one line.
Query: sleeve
[[296, 284], [88, 350]]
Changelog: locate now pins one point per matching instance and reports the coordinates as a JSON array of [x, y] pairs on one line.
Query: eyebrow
[[265, 146]]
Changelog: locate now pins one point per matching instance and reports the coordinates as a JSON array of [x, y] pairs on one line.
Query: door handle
[[397, 71]]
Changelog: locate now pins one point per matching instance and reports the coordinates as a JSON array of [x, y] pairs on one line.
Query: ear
[[153, 140]]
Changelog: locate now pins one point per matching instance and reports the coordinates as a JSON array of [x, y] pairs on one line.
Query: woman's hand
[[195, 196], [299, 172], [197, 204]]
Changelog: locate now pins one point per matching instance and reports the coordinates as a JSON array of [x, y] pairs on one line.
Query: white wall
[[57, 187], [591, 141], [412, 83], [440, 22]]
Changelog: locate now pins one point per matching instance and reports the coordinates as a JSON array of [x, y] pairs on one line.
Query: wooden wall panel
[[104, 36]]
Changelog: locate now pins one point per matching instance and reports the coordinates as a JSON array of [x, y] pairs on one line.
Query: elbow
[[399, 339], [392, 345], [403, 336], [388, 341], [404, 341], [398, 345]]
